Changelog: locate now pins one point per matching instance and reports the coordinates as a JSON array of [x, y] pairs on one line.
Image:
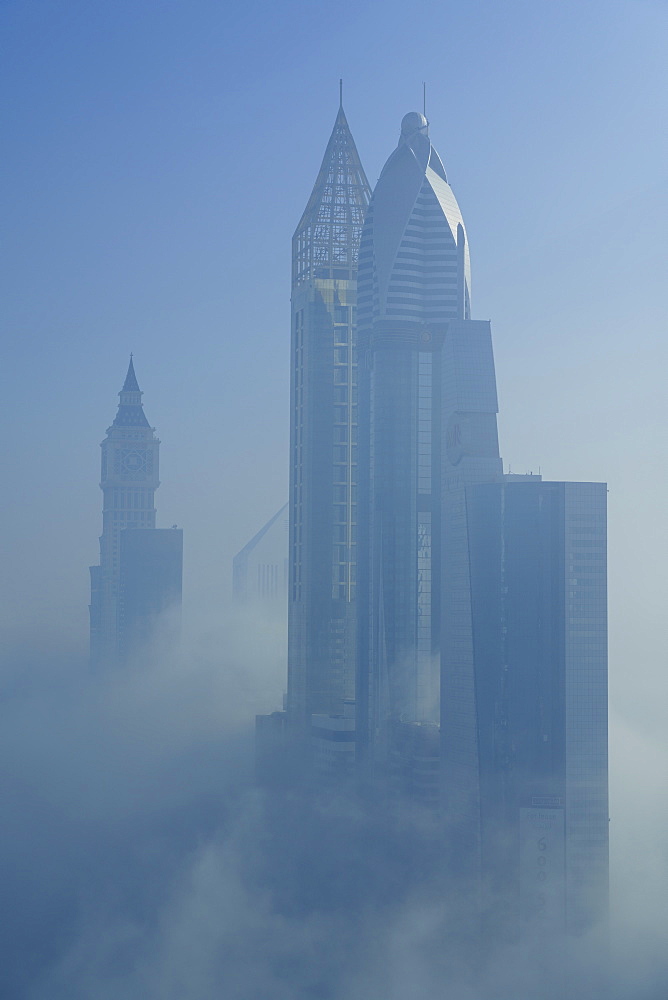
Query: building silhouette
[[414, 291], [149, 607], [470, 456], [260, 588], [260, 568], [538, 591], [447, 623], [323, 433], [138, 580], [481, 598]]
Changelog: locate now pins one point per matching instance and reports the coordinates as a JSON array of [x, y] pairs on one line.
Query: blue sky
[[159, 156]]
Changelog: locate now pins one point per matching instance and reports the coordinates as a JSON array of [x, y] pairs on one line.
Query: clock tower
[[129, 480]]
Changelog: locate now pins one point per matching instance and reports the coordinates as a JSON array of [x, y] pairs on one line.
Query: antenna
[[341, 93], [424, 98]]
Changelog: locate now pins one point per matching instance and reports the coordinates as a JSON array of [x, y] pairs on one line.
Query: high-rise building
[[260, 569], [140, 578], [323, 436], [414, 763], [149, 605], [414, 302], [480, 672], [333, 743], [491, 585], [538, 591], [470, 455]]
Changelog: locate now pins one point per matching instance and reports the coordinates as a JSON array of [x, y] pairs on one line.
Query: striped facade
[[414, 279]]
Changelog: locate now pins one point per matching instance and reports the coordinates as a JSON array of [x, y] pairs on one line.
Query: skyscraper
[[323, 436], [138, 580], [480, 598], [469, 456], [538, 591], [493, 584], [418, 349], [150, 585]]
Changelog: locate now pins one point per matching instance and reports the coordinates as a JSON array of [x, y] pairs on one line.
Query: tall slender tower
[[323, 436], [129, 480], [414, 292]]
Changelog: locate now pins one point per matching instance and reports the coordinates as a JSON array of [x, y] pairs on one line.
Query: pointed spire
[[327, 237], [130, 409], [131, 384]]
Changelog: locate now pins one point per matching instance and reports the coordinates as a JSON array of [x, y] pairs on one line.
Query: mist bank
[[139, 860]]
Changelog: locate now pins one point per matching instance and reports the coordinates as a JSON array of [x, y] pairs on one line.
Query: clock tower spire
[[128, 482], [131, 384]]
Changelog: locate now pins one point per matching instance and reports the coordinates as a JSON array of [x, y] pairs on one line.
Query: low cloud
[[140, 861]]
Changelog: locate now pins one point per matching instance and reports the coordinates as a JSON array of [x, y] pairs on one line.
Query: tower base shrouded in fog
[[136, 589], [538, 593], [323, 438], [447, 622]]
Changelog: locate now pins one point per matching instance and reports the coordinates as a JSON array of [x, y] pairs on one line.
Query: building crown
[[326, 241], [130, 409], [131, 384]]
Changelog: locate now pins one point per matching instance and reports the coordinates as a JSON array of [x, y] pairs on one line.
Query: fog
[[159, 158], [139, 859]]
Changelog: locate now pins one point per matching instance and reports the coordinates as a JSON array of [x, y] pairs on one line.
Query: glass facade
[[414, 280], [470, 456], [478, 601], [586, 699], [538, 583], [323, 437]]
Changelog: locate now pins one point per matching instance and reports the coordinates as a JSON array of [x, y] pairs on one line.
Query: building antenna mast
[[424, 98], [341, 92]]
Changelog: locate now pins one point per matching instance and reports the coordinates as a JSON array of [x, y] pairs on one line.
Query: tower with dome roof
[[415, 332]]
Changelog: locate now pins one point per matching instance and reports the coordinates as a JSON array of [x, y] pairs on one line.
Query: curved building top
[[414, 257]]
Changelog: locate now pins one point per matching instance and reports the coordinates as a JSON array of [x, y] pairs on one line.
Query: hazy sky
[[158, 155]]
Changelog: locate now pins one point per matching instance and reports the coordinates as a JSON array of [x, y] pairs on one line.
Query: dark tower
[[537, 553], [129, 480], [323, 436]]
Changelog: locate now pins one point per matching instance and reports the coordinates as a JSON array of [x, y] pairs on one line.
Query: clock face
[[133, 461]]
